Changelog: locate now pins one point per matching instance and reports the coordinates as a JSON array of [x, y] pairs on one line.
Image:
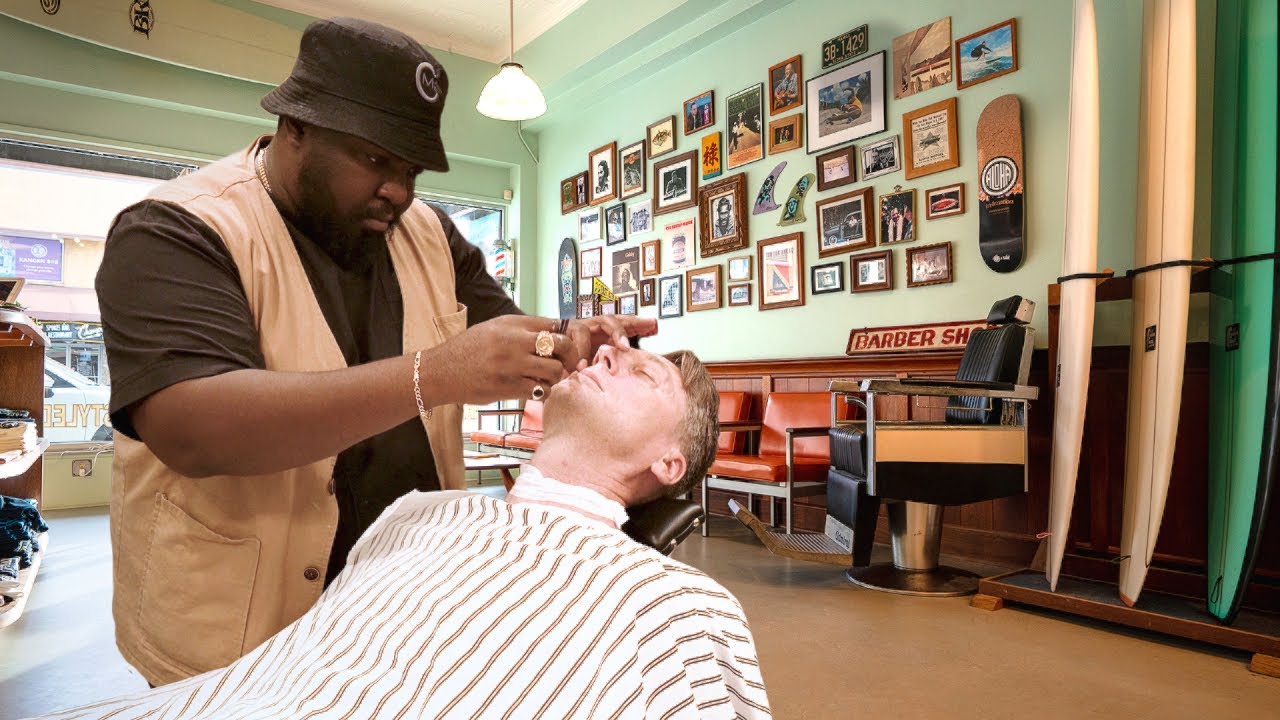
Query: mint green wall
[[731, 44], [69, 80]]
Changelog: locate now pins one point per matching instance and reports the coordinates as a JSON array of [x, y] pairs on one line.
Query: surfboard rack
[[1175, 615]]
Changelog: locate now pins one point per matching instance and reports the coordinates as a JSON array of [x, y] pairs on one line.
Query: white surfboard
[[1166, 172], [1079, 255]]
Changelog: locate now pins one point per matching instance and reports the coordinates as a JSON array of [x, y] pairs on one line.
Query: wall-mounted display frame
[[633, 171], [871, 272], [602, 178], [846, 104], [661, 137], [675, 183], [836, 168], [944, 201], [786, 134], [987, 54], [846, 223], [722, 216], [931, 139], [929, 265], [781, 279], [785, 81]]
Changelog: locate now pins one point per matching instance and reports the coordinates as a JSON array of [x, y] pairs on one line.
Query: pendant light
[[512, 94]]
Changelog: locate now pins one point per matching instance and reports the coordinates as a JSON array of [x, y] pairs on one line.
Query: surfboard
[[1079, 255], [1166, 198], [1001, 184], [1243, 310]]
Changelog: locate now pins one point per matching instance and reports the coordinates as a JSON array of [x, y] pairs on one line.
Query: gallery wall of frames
[[883, 172]]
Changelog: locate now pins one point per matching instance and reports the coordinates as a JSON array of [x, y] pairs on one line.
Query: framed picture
[[631, 160], [929, 265], [615, 224], [702, 288], [722, 216], [602, 164], [675, 183], [608, 307], [640, 217], [786, 133], [836, 168], [627, 304], [573, 193], [871, 271], [646, 292], [661, 136], [931, 138], [845, 223], [944, 201], [922, 58], [781, 278], [589, 226], [739, 294], [711, 151], [987, 54], [626, 271], [880, 158], [746, 126], [588, 305], [679, 237], [590, 262], [846, 104], [669, 298], [784, 86], [699, 112], [898, 217], [827, 278], [650, 258], [740, 268]]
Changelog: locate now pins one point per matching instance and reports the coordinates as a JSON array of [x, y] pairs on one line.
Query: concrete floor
[[828, 649]]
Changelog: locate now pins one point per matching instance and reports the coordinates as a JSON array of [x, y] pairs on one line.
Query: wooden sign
[[912, 338], [844, 47]]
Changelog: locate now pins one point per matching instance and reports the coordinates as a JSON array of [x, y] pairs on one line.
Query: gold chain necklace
[[260, 168]]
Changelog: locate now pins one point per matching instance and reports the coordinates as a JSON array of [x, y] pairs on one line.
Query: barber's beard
[[344, 238]]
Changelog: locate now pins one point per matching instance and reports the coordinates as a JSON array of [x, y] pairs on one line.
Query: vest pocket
[[452, 324], [195, 591]]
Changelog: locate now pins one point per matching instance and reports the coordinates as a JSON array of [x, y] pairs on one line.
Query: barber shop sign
[[912, 338]]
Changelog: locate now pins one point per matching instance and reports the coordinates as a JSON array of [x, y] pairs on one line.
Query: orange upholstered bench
[[523, 440]]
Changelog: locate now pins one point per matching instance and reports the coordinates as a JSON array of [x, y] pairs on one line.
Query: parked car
[[76, 409]]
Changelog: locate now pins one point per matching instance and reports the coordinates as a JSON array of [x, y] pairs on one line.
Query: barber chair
[[978, 453]]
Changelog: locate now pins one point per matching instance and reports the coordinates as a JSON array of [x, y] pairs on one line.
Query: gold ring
[[538, 393], [545, 345]]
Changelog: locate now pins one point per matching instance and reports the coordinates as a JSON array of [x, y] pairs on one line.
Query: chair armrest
[[746, 426], [511, 411], [808, 431], [951, 387]]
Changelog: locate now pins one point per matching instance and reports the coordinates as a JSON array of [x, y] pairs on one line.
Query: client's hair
[[700, 428]]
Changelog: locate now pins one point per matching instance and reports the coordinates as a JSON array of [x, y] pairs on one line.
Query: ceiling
[[475, 28]]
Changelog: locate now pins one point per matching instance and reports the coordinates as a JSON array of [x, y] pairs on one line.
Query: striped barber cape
[[457, 605]]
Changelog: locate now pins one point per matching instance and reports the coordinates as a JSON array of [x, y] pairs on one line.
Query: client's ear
[[669, 468]]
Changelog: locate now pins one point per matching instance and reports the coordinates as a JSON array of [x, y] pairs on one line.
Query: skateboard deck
[[1001, 184], [567, 268]]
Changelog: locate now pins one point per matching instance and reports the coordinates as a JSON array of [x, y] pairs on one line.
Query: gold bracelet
[[423, 412]]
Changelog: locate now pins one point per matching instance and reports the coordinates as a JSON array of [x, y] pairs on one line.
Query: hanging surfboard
[[567, 278], [764, 198], [1244, 318], [1001, 183], [793, 211], [1166, 198], [1079, 257]]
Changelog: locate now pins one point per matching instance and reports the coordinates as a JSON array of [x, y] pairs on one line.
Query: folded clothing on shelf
[[20, 528], [17, 435]]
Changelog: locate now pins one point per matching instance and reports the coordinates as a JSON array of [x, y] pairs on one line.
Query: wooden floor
[[828, 649]]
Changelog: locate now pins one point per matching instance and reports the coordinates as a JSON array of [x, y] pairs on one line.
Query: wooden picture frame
[[590, 263], [648, 292], [675, 183], [744, 114], [931, 139], [669, 297], [602, 174], [627, 304], [846, 103], [615, 224], [785, 95], [651, 258], [702, 288], [609, 307], [661, 137], [632, 171], [826, 278], [881, 157], [588, 305], [699, 112], [786, 134], [897, 217], [876, 276], [846, 223], [781, 278], [739, 294], [983, 67], [836, 168], [944, 201], [740, 268], [722, 216], [929, 265], [573, 193]]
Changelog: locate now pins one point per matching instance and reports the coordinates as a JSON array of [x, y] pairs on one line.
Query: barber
[[292, 339]]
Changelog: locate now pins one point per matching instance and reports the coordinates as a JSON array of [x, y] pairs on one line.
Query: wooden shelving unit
[[22, 347]]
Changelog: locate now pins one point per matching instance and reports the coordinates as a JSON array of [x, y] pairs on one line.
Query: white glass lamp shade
[[511, 95]]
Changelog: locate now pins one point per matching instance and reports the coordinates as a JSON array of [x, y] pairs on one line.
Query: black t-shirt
[[173, 309]]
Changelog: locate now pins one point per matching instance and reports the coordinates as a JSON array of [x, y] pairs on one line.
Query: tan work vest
[[207, 569]]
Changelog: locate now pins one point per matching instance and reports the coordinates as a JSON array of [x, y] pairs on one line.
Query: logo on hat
[[428, 87]]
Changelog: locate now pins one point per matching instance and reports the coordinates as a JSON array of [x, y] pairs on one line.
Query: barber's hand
[[587, 335], [496, 360]]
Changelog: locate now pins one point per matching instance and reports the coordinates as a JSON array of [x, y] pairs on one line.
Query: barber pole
[[912, 338]]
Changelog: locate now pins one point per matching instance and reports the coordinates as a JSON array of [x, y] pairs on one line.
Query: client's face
[[628, 403]]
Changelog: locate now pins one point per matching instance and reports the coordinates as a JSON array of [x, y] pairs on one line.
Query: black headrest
[[663, 523], [1015, 309]]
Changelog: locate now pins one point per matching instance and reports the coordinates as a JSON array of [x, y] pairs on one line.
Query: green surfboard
[[1244, 312]]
